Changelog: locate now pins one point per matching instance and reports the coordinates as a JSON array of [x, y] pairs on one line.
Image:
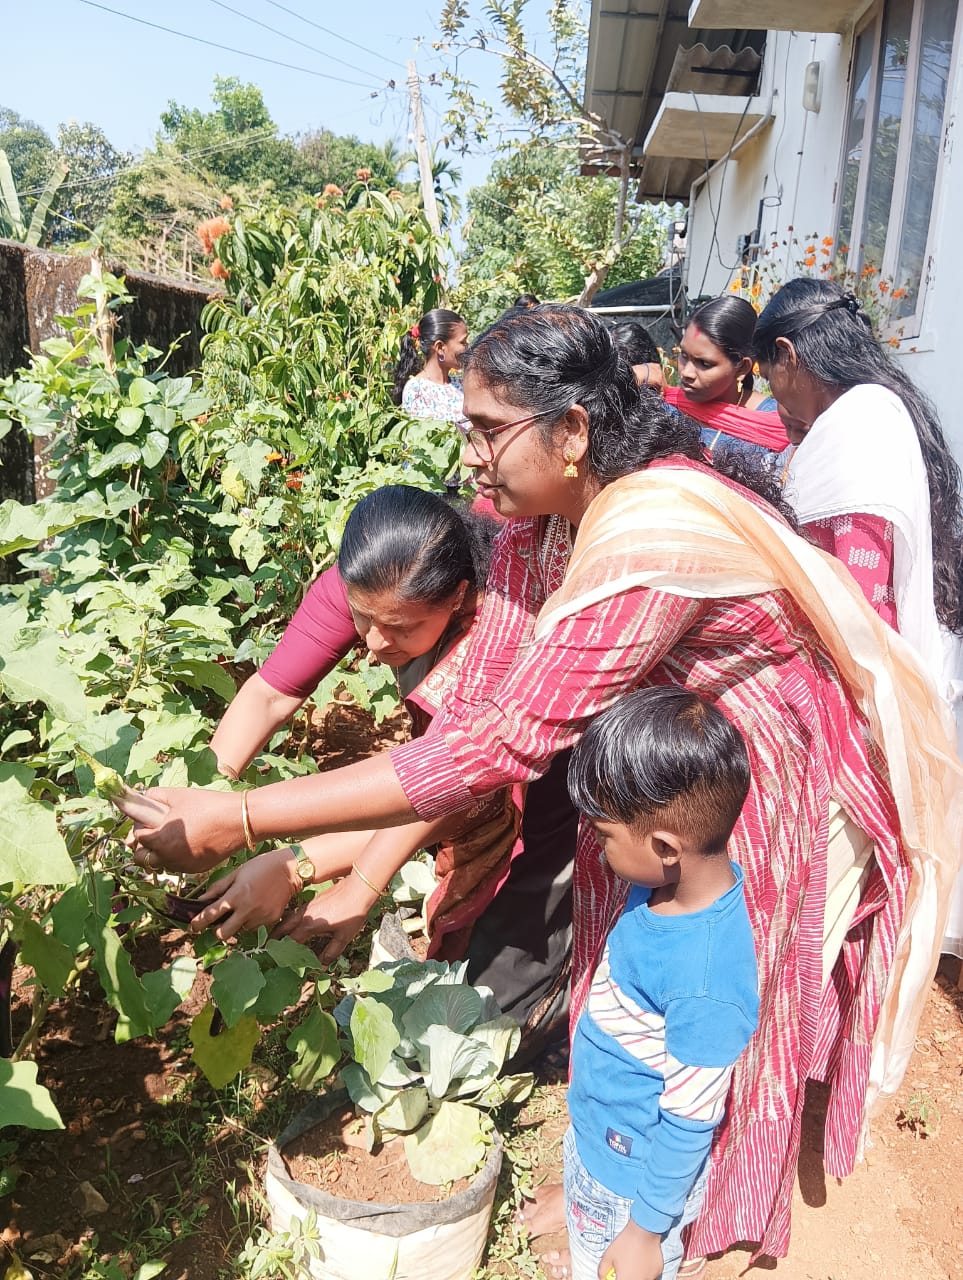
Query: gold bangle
[[246, 823], [382, 893]]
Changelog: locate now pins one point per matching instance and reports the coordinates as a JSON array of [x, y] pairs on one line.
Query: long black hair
[[434, 326], [635, 342], [554, 356], [834, 342], [414, 544], [729, 322]]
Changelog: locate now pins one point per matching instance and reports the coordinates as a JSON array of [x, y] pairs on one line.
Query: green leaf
[[372, 981], [455, 1007], [374, 1034], [281, 990], [405, 1111], [505, 1089], [221, 1057], [141, 391], [204, 619], [166, 988], [451, 1144], [32, 850], [364, 1094], [121, 985], [121, 455], [449, 1057], [22, 1100], [34, 668], [154, 448], [70, 914], [24, 526], [51, 960], [502, 1035], [198, 673], [128, 420], [315, 1044], [292, 955], [237, 984]]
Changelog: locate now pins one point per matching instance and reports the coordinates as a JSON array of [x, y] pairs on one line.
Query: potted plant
[[424, 1053]]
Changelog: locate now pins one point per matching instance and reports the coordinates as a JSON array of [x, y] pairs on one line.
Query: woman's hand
[[634, 1254], [251, 895], [200, 829], [339, 914]]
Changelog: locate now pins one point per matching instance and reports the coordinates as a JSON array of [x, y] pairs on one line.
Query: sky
[[70, 60]]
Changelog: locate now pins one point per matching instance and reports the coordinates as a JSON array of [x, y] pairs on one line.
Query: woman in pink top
[[407, 582]]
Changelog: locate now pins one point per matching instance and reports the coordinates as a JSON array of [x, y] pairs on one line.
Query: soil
[[332, 1157], [169, 1160]]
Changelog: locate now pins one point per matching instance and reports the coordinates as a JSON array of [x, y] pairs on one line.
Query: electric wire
[[213, 44], [328, 32], [294, 40]]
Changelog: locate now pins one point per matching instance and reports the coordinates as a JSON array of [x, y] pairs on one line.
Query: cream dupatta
[[683, 531]]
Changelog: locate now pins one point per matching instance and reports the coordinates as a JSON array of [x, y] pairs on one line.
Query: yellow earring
[[571, 470]]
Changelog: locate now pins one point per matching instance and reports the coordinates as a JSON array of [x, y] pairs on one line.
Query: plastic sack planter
[[441, 1240]]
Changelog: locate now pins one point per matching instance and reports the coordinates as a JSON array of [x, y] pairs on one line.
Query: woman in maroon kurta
[[696, 597]]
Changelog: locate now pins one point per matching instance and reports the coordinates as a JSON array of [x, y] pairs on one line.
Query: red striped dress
[[522, 700]]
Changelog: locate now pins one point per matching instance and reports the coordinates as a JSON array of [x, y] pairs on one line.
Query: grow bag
[[441, 1240]]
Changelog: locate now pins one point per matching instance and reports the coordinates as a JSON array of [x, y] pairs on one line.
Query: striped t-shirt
[[672, 1005]]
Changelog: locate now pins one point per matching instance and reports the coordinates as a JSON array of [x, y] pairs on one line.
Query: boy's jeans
[[595, 1216]]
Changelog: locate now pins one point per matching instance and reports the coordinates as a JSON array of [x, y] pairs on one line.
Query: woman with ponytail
[[716, 386], [430, 351], [872, 479]]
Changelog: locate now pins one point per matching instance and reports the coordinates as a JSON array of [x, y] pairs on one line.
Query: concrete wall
[[794, 164]]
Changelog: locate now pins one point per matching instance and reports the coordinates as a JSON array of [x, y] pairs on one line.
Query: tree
[[334, 158], [531, 227], [92, 164], [542, 96]]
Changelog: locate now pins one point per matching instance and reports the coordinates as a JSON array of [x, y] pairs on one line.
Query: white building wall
[[794, 164]]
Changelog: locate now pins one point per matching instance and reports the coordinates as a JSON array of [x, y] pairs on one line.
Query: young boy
[[662, 776]]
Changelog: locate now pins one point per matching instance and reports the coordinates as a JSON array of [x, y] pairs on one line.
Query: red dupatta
[[755, 426]]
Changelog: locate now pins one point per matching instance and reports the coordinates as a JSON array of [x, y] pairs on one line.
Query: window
[[892, 141]]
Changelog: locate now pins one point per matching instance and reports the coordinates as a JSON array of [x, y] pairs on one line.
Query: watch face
[[305, 870]]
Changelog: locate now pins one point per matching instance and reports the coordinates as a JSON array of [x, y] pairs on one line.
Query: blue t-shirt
[[672, 1005]]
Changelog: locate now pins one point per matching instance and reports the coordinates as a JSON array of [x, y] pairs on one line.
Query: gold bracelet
[[382, 893], [246, 823]]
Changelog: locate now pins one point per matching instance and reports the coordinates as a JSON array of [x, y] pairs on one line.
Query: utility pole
[[424, 156]]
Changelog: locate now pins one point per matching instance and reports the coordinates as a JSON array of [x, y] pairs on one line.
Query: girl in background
[[430, 351]]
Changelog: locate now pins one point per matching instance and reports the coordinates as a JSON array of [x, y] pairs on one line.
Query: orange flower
[[736, 286], [331, 189], [824, 252], [899, 293], [883, 287], [219, 271], [809, 260], [274, 457], [363, 175], [295, 480], [827, 242], [210, 230], [844, 248], [868, 270], [894, 342], [226, 203], [756, 290]]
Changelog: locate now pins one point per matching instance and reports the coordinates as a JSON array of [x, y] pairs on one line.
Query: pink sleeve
[[864, 543], [554, 688], [314, 641]]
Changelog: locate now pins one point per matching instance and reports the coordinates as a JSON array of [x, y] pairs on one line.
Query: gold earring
[[571, 470]]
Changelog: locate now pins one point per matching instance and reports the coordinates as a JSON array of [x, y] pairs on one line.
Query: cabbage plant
[[426, 1054]]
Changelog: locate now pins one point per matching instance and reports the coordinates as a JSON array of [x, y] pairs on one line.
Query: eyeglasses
[[482, 439]]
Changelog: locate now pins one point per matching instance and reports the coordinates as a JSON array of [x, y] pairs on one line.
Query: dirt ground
[[167, 1159]]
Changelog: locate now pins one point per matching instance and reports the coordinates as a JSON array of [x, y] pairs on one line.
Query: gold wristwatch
[[304, 867]]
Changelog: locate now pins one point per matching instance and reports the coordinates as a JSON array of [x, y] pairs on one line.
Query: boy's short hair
[[663, 756]]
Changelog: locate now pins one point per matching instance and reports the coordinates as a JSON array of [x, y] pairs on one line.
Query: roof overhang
[[700, 126], [638, 51], [778, 15]]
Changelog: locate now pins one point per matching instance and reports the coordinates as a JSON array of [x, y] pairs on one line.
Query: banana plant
[[12, 223]]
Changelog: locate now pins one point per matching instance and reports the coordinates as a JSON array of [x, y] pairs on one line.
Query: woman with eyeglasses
[[408, 582], [716, 386], [631, 561]]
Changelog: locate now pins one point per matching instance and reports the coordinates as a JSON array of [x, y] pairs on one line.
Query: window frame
[[909, 326]]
